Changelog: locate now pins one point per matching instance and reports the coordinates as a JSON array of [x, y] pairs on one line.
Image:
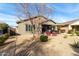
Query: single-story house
[[12, 31], [68, 26], [25, 26]]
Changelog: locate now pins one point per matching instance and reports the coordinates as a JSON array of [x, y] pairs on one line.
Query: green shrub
[[43, 38], [75, 45], [65, 36], [77, 33], [71, 32], [3, 26], [72, 35], [3, 38]]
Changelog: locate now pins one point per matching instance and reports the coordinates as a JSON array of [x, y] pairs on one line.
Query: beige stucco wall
[[22, 26], [70, 25], [75, 23], [65, 28]]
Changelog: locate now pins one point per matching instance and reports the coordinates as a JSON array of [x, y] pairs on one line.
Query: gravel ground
[[56, 46]]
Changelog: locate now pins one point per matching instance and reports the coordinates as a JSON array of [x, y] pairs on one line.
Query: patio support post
[[74, 29], [56, 28]]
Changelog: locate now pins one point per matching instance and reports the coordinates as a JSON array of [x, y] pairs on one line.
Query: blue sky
[[61, 12]]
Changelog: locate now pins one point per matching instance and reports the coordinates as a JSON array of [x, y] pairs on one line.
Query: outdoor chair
[[54, 33], [48, 33]]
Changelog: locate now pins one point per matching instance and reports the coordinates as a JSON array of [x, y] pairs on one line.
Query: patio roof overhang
[[77, 24], [54, 24], [59, 24], [74, 25], [48, 24]]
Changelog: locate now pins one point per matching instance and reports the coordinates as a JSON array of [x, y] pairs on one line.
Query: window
[[29, 28], [26, 27]]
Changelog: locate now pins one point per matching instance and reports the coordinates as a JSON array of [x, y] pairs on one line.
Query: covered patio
[[48, 25], [75, 27]]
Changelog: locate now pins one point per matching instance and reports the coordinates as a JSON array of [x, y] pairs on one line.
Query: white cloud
[[61, 19], [10, 19], [67, 8], [70, 12]]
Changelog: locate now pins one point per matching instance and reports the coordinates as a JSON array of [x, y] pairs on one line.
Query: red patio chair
[[48, 33], [54, 34]]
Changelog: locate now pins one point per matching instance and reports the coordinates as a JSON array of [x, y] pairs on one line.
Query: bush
[[77, 33], [75, 45], [43, 38], [65, 36], [3, 38], [3, 26], [71, 32]]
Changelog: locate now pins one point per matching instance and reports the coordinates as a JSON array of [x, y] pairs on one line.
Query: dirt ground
[[56, 46]]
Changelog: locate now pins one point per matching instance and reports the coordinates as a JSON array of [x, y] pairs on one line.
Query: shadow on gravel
[[9, 48], [26, 49], [75, 49]]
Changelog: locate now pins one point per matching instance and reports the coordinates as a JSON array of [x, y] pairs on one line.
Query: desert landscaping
[[55, 46], [39, 30]]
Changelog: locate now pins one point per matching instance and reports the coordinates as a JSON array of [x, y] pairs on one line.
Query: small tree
[[3, 26], [42, 10], [26, 10]]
